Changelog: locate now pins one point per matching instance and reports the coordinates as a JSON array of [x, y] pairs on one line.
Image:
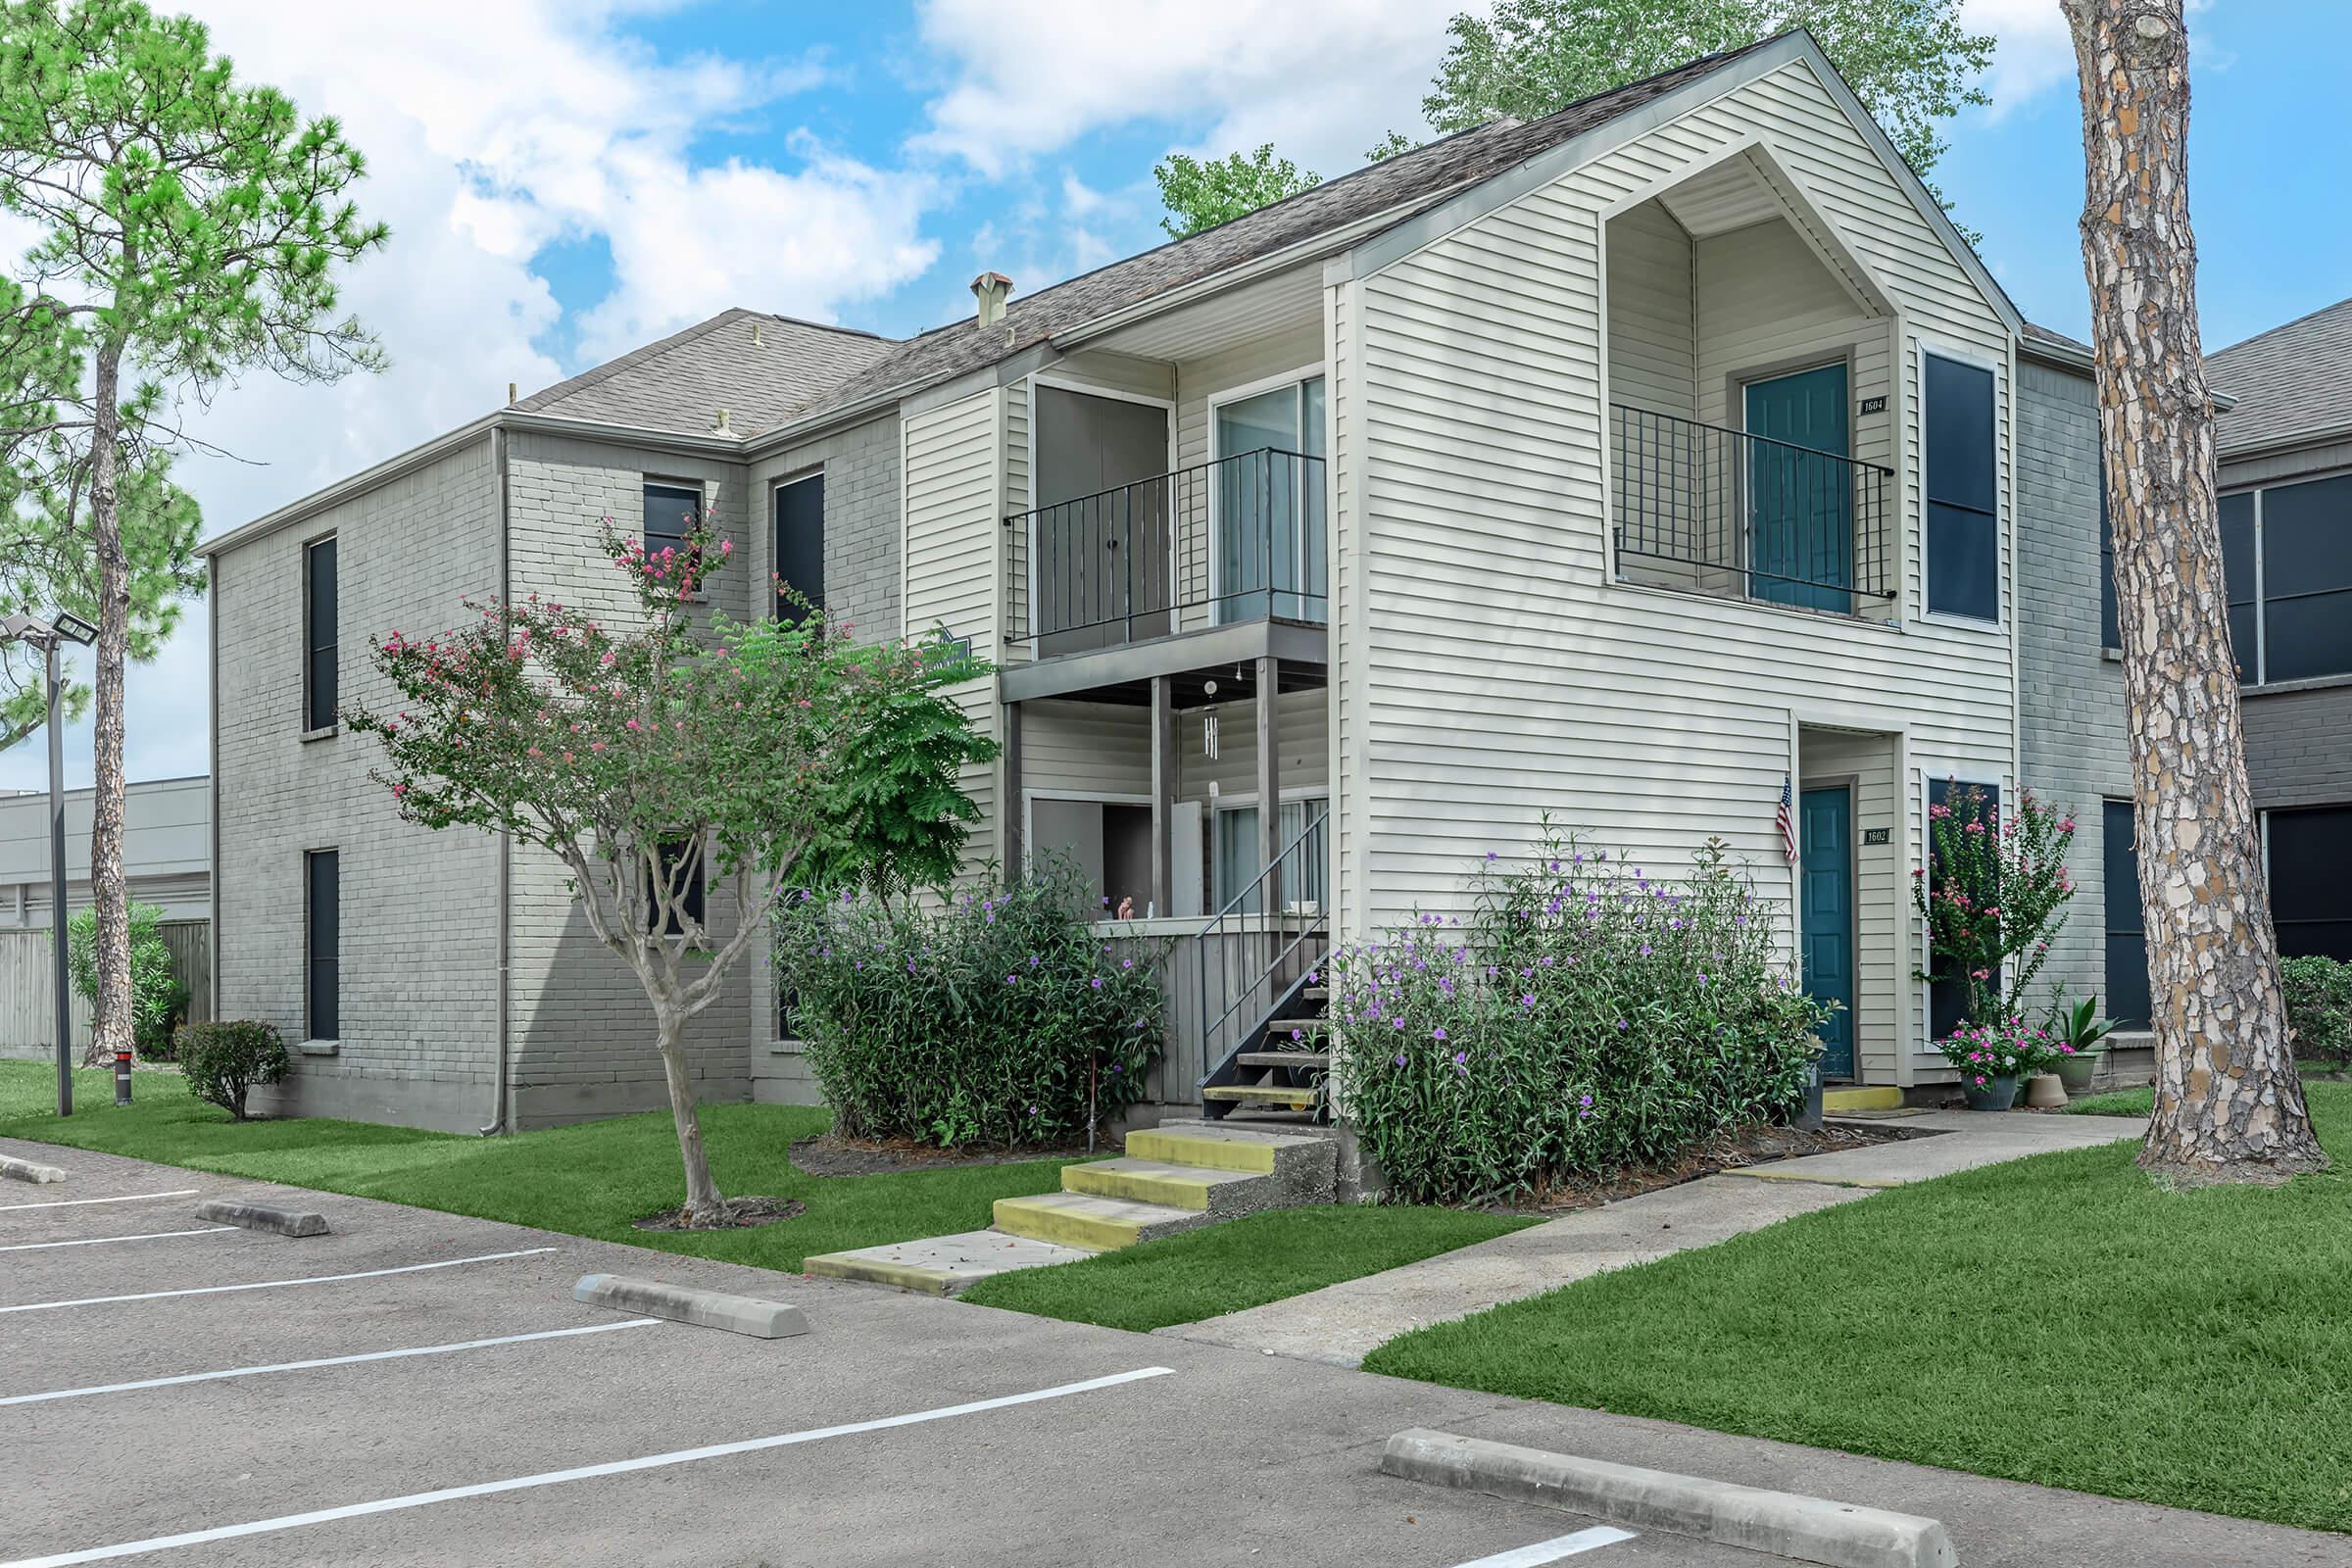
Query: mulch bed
[[742, 1212], [824, 1154], [1726, 1151]]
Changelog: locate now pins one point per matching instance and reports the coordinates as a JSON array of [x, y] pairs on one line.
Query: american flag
[[1784, 820]]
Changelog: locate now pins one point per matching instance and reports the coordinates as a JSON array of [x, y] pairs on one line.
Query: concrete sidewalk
[[1341, 1324]]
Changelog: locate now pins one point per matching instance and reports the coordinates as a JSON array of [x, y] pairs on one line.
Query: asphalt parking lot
[[420, 1388]]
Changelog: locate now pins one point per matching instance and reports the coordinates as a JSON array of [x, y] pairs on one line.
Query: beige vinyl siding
[[1653, 351], [952, 558], [1086, 748], [1501, 672]]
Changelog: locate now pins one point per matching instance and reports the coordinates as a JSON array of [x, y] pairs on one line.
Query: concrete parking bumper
[[262, 1216], [682, 1304], [1807, 1529], [24, 1170]]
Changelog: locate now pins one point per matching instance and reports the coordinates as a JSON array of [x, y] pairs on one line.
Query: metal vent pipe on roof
[[991, 290]]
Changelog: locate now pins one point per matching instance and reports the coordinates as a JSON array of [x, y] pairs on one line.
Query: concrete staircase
[[1174, 1177]]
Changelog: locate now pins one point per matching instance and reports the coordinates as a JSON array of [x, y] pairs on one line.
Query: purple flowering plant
[[1550, 1029]]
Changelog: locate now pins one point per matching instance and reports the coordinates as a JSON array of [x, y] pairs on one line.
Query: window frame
[[650, 482], [695, 897], [1930, 775], [1999, 514], [2108, 930], [2259, 666], [1233, 803], [312, 728], [311, 959], [1296, 381], [2270, 822]]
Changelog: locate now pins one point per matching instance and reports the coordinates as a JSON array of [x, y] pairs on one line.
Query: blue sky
[[568, 179]]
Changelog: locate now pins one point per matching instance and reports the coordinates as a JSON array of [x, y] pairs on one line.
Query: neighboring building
[[167, 857], [1624, 463], [2285, 452]]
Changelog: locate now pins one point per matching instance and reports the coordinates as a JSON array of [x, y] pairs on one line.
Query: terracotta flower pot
[[2044, 1091], [1993, 1093]]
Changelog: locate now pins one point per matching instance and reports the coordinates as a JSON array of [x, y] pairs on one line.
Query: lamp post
[[49, 636]]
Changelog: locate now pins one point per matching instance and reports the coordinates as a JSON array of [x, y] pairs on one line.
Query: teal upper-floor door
[[1826, 850], [1801, 504]]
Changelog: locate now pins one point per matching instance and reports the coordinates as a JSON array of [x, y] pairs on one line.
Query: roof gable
[[757, 367]]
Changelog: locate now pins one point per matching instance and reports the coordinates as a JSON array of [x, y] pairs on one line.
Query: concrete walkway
[[1341, 1324]]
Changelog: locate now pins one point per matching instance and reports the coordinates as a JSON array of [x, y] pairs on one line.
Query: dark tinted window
[[2311, 881], [319, 636], [1947, 998], [2238, 578], [690, 894], [672, 513], [1963, 491], [2127, 1000], [801, 541], [322, 923], [2307, 579]]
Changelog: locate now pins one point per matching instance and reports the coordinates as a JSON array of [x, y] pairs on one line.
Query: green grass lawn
[[590, 1180], [1245, 1262], [2140, 1102], [2058, 1320]]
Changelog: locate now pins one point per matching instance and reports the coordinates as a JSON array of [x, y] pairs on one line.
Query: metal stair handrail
[[1228, 929]]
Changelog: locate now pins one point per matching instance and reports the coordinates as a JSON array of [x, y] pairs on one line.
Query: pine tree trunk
[[703, 1205], [2229, 1105], [109, 887]]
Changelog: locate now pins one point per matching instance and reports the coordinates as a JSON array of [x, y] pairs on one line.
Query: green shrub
[[225, 1059], [2319, 1010], [990, 1016], [1581, 1016], [156, 993]]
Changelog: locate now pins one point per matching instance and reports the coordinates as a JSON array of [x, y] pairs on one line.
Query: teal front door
[[1801, 505], [1826, 846]]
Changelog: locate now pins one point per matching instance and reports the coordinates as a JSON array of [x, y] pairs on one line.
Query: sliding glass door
[[1270, 507]]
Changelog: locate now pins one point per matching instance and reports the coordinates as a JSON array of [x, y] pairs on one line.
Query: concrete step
[[1089, 1223], [1200, 1188], [1859, 1097], [1304, 1162], [940, 1265], [1283, 1096], [1304, 1060]]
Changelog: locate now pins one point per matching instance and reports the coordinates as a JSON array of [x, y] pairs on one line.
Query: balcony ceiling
[[1227, 320], [1733, 194]]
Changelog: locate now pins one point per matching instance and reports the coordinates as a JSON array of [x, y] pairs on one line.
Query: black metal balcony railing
[[1238, 538], [1726, 511]]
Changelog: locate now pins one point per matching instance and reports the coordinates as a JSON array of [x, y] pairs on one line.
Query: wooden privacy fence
[[26, 1024]]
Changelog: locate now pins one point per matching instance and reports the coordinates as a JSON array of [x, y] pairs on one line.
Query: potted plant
[[2080, 1033], [1994, 1060]]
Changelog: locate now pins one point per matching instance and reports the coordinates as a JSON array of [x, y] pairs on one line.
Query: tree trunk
[[109, 887], [2229, 1105], [703, 1205]]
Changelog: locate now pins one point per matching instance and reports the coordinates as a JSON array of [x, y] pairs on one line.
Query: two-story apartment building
[[1635, 463]]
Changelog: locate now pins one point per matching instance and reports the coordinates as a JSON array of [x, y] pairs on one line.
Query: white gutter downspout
[[499, 1105]]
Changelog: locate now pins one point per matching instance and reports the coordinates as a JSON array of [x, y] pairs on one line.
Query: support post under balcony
[[1163, 795], [1014, 808], [1269, 773]]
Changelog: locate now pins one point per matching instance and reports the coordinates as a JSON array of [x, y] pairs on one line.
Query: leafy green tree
[[1200, 194], [662, 764], [155, 992], [1910, 62], [190, 228]]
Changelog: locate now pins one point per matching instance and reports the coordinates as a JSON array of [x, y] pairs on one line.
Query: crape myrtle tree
[[661, 762], [2229, 1105], [187, 228]]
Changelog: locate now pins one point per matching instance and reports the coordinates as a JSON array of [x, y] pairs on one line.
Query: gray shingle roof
[[681, 383], [1402, 186], [2066, 347], [2293, 380]]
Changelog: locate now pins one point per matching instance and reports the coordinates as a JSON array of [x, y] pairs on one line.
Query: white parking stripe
[[549, 1478], [77, 1202], [272, 1285], [326, 1361], [1543, 1551], [107, 1241]]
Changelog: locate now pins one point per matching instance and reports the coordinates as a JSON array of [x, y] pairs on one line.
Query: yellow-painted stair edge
[[1179, 1148], [1050, 1222], [1856, 1097], [874, 1271], [1165, 1189]]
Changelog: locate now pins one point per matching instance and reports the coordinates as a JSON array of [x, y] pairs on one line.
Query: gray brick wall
[[2071, 696], [418, 951], [582, 1031], [2299, 746], [862, 520]]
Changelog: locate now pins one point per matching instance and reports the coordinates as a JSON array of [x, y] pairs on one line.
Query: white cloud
[[492, 130], [2034, 52], [1322, 82]]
